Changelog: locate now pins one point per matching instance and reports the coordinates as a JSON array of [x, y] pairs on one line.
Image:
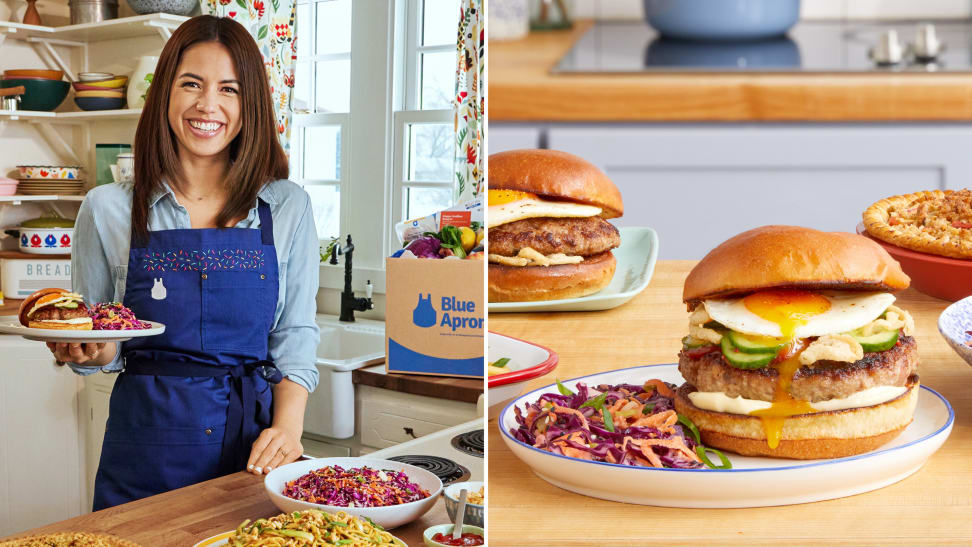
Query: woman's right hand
[[80, 354]]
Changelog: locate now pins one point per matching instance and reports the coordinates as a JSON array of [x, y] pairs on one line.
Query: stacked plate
[[100, 91], [34, 187]]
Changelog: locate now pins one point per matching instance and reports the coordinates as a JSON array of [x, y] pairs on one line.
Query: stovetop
[[437, 453], [817, 46]]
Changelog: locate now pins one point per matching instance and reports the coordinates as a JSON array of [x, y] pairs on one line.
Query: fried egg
[[507, 206], [789, 314]]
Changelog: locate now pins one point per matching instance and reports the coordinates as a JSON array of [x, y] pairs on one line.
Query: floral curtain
[[271, 22], [470, 99]]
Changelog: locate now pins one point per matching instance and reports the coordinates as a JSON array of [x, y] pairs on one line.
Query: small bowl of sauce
[[441, 536]]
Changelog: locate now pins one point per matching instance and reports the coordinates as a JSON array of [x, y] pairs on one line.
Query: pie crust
[[936, 222]]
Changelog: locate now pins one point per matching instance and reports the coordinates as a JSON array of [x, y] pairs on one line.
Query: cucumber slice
[[755, 344], [746, 361], [691, 343], [67, 305], [880, 341]]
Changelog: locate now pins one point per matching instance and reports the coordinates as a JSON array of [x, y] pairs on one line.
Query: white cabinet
[[697, 184], [40, 438], [510, 137], [388, 417]]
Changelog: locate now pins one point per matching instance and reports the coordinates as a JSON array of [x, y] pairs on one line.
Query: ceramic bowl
[[34, 73], [100, 103], [109, 93], [938, 276], [112, 83], [82, 86], [39, 95], [527, 361], [8, 187], [447, 529], [389, 517], [474, 512], [69, 172], [94, 76], [955, 324], [175, 7], [721, 19]]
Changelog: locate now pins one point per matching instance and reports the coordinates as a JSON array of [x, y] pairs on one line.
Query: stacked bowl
[[44, 89], [100, 91]]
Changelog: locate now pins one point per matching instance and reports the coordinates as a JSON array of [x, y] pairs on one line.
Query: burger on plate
[[55, 309], [547, 234], [795, 348]]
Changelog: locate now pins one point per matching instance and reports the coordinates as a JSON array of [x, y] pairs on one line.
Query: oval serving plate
[[9, 324], [752, 481]]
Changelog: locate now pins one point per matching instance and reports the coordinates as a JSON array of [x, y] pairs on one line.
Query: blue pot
[[722, 19]]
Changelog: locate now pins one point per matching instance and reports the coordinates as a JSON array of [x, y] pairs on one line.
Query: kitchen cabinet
[[512, 137], [696, 183], [40, 438], [388, 417]]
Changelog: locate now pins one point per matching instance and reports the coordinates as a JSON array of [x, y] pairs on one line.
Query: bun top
[[792, 257], [555, 174], [39, 297]]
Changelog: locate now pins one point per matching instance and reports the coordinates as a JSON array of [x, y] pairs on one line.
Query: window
[[373, 134]]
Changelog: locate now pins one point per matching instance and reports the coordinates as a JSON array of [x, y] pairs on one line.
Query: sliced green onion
[[500, 363], [343, 541], [595, 401], [563, 389], [373, 523], [336, 523], [700, 450], [684, 420], [649, 408], [608, 419]]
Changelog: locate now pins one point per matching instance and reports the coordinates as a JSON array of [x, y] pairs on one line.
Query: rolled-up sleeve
[[91, 274], [294, 338]]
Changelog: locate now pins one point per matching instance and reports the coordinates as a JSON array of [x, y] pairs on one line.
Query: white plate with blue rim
[[636, 263], [752, 481]]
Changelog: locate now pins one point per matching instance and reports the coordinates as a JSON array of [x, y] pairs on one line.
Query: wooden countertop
[[188, 515], [521, 88], [930, 507], [466, 390]]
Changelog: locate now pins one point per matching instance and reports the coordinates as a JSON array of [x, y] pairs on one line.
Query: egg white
[[848, 311], [534, 208]]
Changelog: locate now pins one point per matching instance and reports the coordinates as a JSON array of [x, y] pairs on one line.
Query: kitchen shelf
[[21, 254], [18, 199], [70, 117], [113, 29]]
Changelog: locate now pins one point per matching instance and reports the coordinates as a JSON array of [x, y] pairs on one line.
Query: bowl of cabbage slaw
[[389, 493]]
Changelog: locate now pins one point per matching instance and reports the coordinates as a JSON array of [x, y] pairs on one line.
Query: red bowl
[[939, 276]]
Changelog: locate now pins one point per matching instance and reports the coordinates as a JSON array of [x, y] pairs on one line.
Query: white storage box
[[20, 277]]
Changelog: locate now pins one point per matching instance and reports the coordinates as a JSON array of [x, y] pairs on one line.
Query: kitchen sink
[[343, 347]]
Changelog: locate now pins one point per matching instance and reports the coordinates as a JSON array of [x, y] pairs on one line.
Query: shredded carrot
[[661, 387]]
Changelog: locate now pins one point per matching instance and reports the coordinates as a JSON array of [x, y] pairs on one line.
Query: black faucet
[[349, 302]]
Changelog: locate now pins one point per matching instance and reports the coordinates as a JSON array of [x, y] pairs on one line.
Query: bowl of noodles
[[310, 527], [387, 492]]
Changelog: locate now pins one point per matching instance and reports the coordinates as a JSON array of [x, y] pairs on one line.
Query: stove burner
[[470, 442], [447, 470]]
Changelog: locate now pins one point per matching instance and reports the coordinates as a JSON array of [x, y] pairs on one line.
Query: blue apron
[[191, 401]]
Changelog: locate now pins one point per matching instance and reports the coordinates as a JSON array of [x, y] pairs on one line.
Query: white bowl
[[474, 512], [388, 517], [955, 323], [527, 361]]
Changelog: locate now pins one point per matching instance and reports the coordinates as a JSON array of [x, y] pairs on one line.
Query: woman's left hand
[[274, 447]]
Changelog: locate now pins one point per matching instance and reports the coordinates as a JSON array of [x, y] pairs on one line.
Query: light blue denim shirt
[[99, 263]]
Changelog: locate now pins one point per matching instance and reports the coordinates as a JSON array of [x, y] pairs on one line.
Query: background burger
[[547, 235], [795, 348], [55, 309]]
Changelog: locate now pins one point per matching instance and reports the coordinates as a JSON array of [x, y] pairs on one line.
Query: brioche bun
[[61, 326], [555, 174], [833, 434], [792, 257], [533, 283]]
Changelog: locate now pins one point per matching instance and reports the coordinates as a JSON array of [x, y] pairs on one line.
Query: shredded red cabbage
[[115, 316], [355, 487]]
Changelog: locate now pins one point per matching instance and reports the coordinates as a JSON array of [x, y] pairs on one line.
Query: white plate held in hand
[[10, 324], [752, 481]]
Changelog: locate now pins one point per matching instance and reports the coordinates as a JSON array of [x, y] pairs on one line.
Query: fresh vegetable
[[689, 342], [467, 237], [450, 238], [746, 361], [335, 485], [425, 247], [563, 389], [701, 450], [879, 341], [500, 363], [755, 344]]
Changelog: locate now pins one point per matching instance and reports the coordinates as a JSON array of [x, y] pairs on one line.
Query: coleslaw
[[355, 487], [115, 316]]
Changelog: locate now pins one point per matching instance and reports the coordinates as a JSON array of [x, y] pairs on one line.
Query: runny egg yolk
[[789, 309], [499, 197]]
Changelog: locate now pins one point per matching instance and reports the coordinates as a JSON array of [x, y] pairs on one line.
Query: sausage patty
[[820, 381], [571, 236]]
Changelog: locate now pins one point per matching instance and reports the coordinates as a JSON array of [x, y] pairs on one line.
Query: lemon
[[468, 238], [480, 236]]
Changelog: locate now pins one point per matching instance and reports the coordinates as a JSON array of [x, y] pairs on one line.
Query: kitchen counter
[[186, 516], [467, 390], [928, 508], [521, 88]]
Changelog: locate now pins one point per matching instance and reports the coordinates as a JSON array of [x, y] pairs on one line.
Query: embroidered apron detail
[[192, 400], [185, 260]]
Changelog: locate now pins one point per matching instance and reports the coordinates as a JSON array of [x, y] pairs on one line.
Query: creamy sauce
[[75, 321], [717, 401]]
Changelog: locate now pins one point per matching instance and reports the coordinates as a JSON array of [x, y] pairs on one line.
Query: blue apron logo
[[424, 314]]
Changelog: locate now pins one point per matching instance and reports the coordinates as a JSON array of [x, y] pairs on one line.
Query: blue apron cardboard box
[[435, 316]]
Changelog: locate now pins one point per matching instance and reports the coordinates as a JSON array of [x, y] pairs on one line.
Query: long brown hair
[[255, 154]]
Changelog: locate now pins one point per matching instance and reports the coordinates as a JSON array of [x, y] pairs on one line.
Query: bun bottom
[[832, 434], [59, 326], [533, 283]]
